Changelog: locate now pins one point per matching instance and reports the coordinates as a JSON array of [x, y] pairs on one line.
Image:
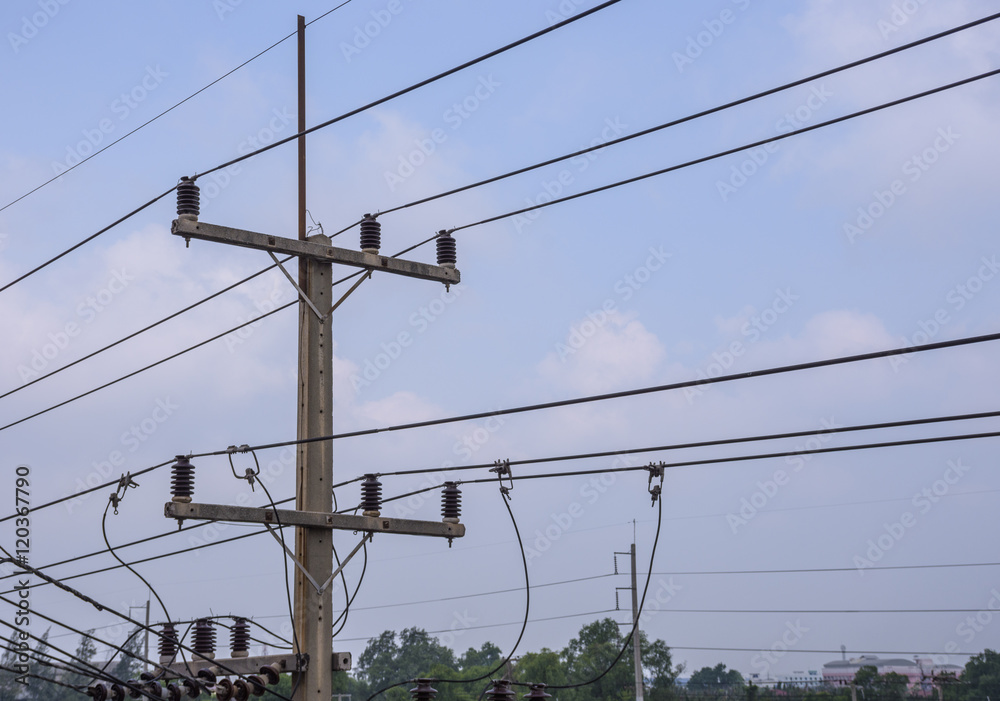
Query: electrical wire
[[638, 614], [694, 444], [102, 607], [284, 561], [692, 117], [720, 154], [148, 367], [75, 246], [764, 372], [415, 86], [342, 618], [717, 461], [505, 496], [146, 328]]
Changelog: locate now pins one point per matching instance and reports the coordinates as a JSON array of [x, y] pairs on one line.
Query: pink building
[[918, 671]]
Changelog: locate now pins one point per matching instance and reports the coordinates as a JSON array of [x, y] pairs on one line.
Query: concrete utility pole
[[313, 661], [636, 652]]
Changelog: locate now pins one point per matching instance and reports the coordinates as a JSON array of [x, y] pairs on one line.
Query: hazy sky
[[871, 234]]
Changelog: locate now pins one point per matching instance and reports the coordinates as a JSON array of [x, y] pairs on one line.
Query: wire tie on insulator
[[503, 468], [655, 471]]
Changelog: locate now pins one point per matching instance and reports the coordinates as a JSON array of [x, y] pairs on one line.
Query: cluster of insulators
[[371, 499], [500, 691], [207, 680]]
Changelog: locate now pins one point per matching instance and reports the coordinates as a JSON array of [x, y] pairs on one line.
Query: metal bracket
[[348, 293], [655, 470], [319, 589], [303, 295]]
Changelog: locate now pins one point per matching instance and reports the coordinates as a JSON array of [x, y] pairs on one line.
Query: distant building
[[918, 671], [798, 678]]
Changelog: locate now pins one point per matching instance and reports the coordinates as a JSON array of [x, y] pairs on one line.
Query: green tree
[[384, 662], [126, 666], [543, 667], [982, 675], [716, 678], [489, 655], [591, 654]]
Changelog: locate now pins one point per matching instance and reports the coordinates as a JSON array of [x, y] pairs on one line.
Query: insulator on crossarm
[[537, 692], [371, 496], [188, 199], [423, 690], [451, 502], [243, 689], [182, 480], [501, 691], [371, 234], [98, 691], [447, 256], [240, 638], [204, 638], [168, 643], [224, 690], [271, 673]]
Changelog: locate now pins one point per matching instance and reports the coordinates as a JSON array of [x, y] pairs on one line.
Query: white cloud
[[604, 352]]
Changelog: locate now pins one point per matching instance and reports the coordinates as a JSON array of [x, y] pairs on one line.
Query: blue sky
[[871, 234]]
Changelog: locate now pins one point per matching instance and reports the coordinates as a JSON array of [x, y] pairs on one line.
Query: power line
[[692, 117], [166, 111], [88, 239], [781, 369], [693, 444], [147, 328], [716, 461], [148, 367], [415, 86], [721, 154]]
